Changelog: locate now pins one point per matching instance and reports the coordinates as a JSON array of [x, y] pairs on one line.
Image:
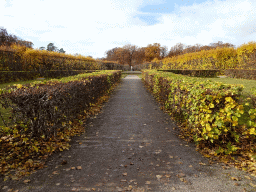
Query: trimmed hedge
[[211, 111], [44, 108]]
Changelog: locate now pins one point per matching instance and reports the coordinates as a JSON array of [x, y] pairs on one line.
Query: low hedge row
[[7, 76], [194, 72], [44, 108], [241, 73], [212, 113]]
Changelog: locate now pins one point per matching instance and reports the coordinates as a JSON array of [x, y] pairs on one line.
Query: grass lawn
[[249, 85], [3, 85]]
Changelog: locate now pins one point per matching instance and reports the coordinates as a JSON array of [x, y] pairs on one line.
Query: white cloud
[[93, 27], [230, 21]]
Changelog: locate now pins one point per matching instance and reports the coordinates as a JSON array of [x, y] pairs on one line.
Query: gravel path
[[132, 146]]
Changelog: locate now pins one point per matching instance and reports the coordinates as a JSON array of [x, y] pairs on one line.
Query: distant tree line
[[52, 47], [134, 55], [8, 40]]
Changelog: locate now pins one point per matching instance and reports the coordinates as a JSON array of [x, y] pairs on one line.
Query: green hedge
[[211, 111]]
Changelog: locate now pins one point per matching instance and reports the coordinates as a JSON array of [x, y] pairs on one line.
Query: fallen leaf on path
[[236, 184], [170, 156], [253, 175], [79, 167], [200, 163], [26, 181], [253, 185], [182, 179], [131, 163], [247, 177], [158, 151], [235, 178], [190, 166], [167, 176], [148, 182], [15, 178], [55, 172], [159, 176], [141, 146], [57, 184], [5, 187], [64, 162], [181, 175], [124, 174], [123, 180]]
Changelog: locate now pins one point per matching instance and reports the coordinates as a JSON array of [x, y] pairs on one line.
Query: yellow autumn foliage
[[220, 58], [246, 55], [32, 59]]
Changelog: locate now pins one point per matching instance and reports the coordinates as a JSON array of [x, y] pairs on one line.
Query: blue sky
[[152, 11], [93, 27]]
